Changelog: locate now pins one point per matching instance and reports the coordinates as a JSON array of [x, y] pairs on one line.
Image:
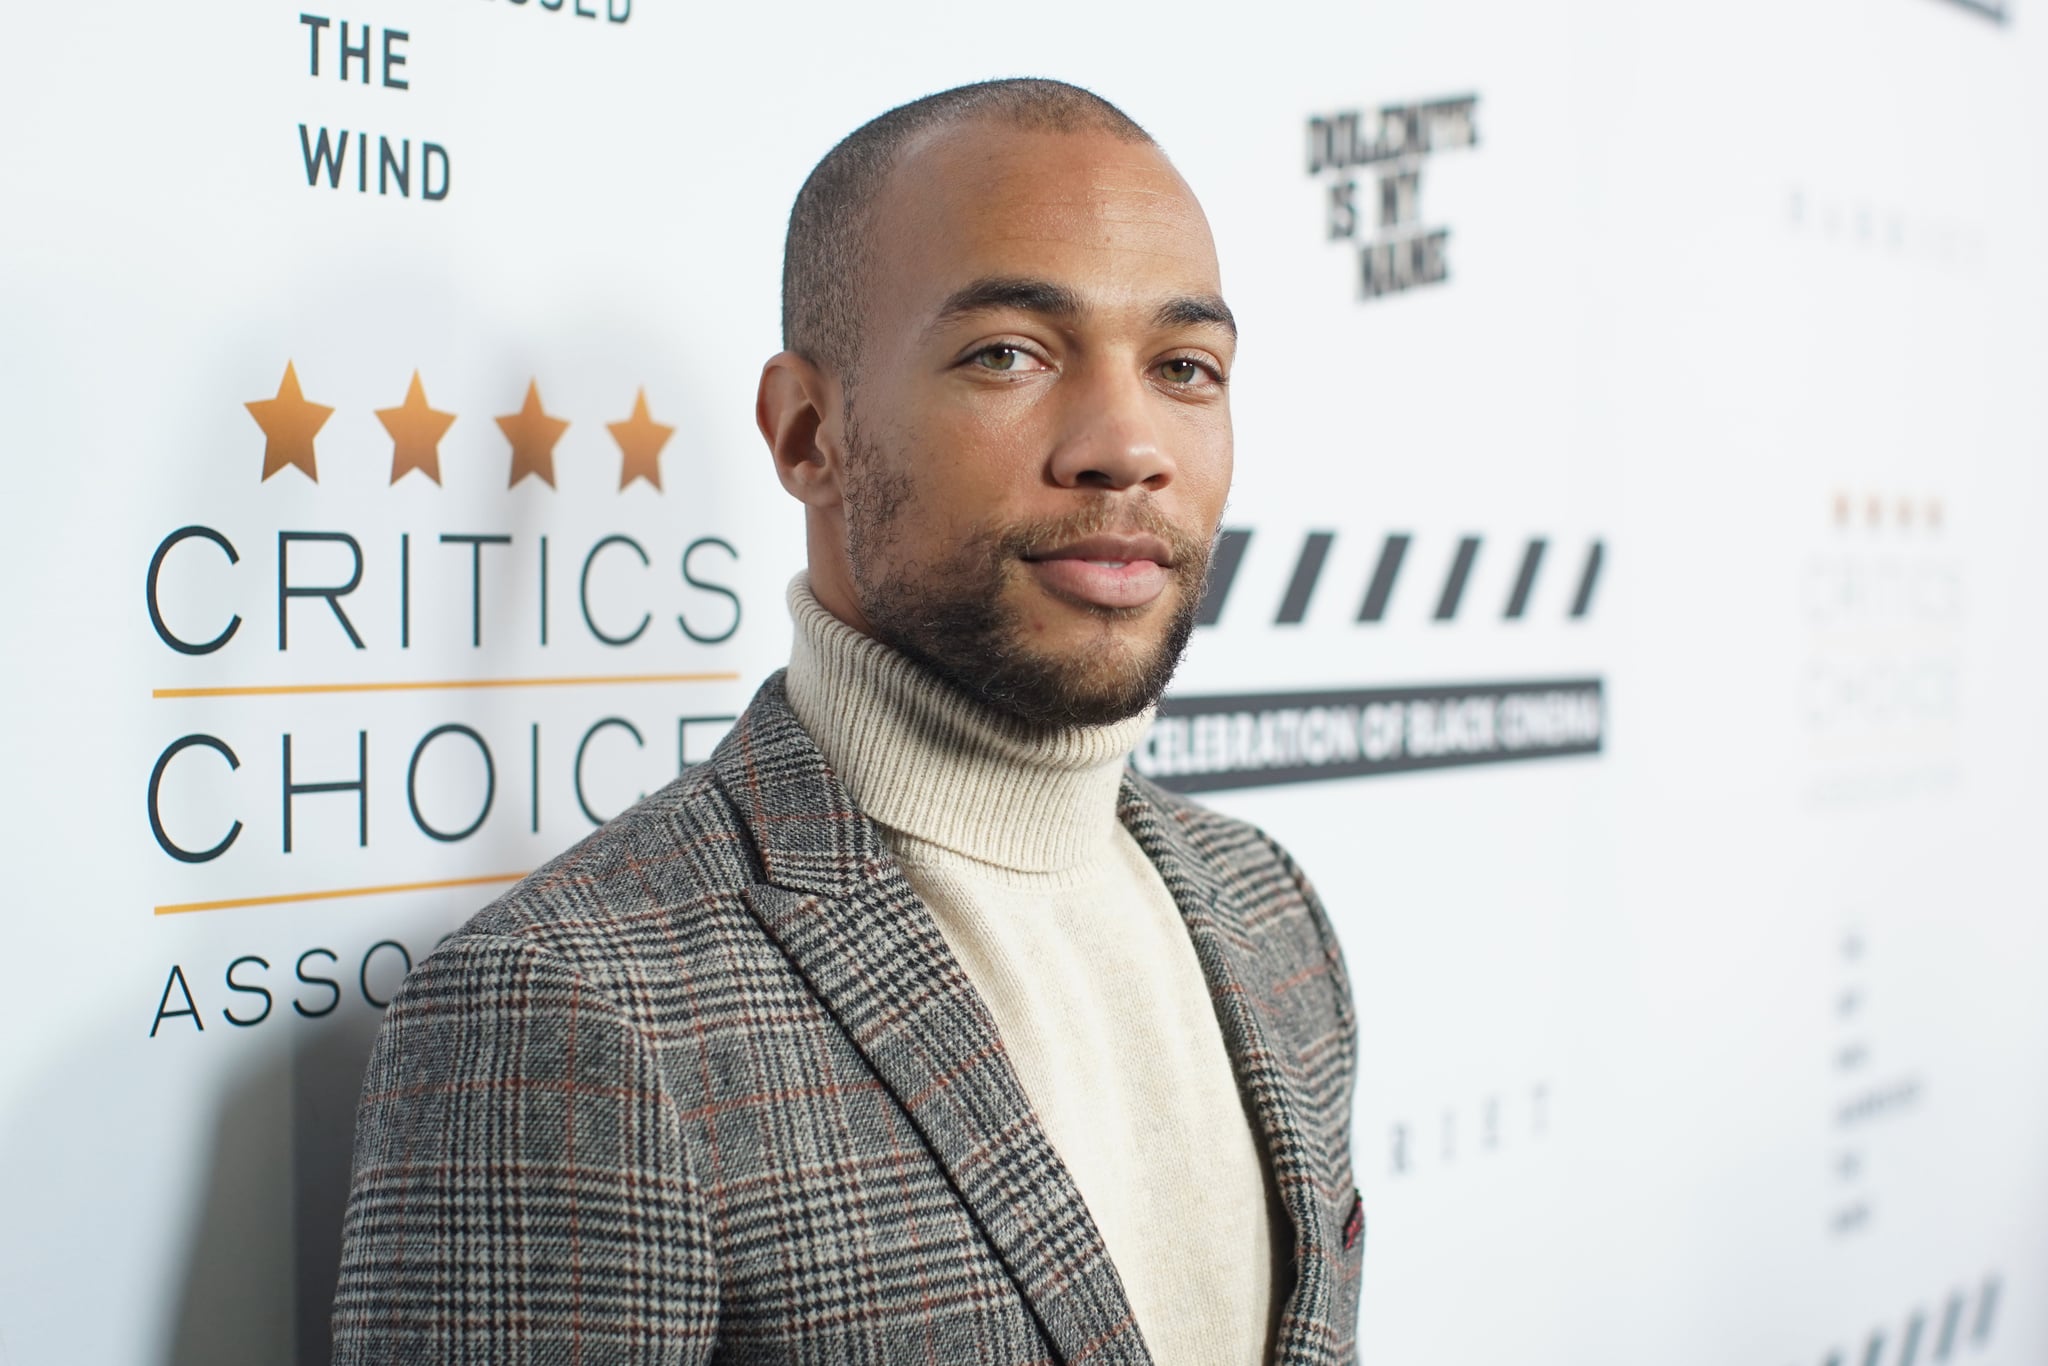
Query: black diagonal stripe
[[1994, 10], [1307, 570], [1223, 563], [1951, 1317], [1987, 1305], [1454, 585], [1588, 577], [1383, 575], [1873, 1351], [1532, 560], [1910, 1348]]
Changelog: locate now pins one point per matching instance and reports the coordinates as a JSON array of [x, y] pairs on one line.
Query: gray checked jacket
[[711, 1087]]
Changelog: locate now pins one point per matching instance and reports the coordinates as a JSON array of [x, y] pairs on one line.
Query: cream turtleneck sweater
[[1064, 927]]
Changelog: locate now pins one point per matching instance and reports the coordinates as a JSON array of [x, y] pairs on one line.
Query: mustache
[[1106, 518]]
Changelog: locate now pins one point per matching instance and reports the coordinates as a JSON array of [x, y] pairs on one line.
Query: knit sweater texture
[[1010, 836]]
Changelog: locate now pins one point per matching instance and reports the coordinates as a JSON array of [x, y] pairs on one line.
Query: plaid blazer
[[711, 1087]]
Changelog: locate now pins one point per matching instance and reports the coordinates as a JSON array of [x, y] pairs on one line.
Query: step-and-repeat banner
[[1629, 610]]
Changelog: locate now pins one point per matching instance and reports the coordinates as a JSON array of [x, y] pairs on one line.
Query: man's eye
[[1004, 359], [1181, 370]]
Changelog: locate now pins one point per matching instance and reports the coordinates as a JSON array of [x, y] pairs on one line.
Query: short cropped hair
[[825, 256]]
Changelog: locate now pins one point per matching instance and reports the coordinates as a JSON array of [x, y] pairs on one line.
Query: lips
[[1105, 571]]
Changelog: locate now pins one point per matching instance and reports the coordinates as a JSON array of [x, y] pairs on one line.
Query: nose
[[1112, 438]]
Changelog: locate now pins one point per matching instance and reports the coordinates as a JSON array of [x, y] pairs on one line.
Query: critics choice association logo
[[1210, 743], [359, 705]]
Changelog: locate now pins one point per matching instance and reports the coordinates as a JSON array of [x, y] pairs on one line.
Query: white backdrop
[[1720, 1040]]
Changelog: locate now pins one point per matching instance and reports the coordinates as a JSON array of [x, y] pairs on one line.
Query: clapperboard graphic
[[1927, 1334], [1209, 743]]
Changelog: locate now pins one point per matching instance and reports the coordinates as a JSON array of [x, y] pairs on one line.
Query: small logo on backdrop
[[1886, 596], [1397, 250], [1212, 743]]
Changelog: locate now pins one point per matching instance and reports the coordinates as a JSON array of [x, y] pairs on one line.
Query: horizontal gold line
[[440, 685], [334, 894]]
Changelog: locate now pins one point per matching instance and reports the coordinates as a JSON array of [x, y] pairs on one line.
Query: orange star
[[533, 435], [416, 432], [289, 423], [641, 438]]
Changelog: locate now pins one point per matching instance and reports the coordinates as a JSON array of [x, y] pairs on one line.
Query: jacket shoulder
[[677, 859]]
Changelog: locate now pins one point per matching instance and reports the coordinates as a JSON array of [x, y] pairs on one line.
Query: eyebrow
[[1044, 297], [1012, 293], [1196, 310]]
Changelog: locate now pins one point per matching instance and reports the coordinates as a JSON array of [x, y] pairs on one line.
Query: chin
[[1042, 659], [1104, 672]]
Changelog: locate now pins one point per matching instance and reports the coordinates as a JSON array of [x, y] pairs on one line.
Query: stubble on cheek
[[877, 504]]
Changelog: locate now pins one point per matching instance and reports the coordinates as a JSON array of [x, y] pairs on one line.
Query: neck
[[923, 760]]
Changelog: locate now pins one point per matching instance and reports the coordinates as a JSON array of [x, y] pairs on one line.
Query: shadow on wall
[[282, 1137]]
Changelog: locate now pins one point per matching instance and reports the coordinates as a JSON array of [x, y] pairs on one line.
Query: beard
[[953, 613]]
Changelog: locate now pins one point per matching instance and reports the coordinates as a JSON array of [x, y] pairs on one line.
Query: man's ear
[[797, 410]]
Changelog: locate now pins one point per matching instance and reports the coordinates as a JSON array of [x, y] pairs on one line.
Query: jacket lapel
[[837, 903], [1218, 916]]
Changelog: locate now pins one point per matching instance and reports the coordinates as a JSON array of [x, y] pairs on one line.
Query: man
[[913, 1026]]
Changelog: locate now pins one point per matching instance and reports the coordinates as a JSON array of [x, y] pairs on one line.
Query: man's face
[[1037, 442]]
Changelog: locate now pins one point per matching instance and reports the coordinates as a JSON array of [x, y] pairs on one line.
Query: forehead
[[1110, 219]]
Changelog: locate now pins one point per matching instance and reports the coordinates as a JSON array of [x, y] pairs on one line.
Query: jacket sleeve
[[520, 1190]]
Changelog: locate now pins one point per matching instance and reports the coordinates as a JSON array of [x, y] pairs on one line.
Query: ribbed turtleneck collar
[[924, 761]]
